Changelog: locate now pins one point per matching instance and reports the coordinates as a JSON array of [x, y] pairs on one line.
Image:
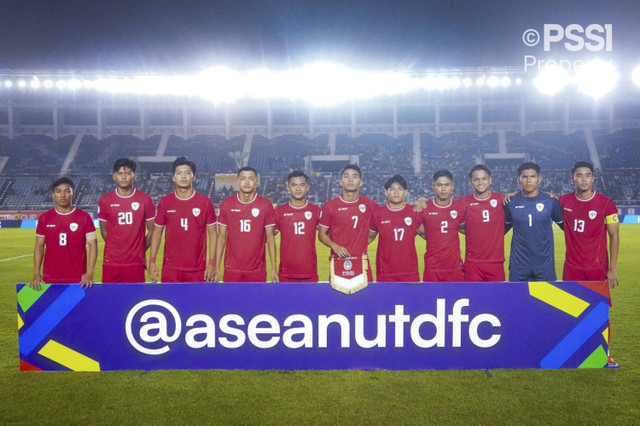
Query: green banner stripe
[[597, 359], [28, 296]]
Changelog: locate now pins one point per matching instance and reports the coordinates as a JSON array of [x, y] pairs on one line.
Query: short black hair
[[479, 167], [182, 161], [124, 162], [395, 179], [351, 167], [61, 181], [582, 164], [441, 173], [297, 173], [247, 169], [528, 166]]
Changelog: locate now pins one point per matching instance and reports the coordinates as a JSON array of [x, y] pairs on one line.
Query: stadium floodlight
[[74, 84], [8, 83], [61, 84], [466, 82], [220, 85], [480, 81], [505, 81], [22, 84], [635, 76], [518, 81], [596, 78], [551, 80], [493, 82], [48, 84], [35, 83]]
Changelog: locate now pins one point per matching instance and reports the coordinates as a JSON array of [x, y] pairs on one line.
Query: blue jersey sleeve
[[556, 213]]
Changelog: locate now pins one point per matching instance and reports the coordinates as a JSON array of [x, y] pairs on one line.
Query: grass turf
[[323, 397]]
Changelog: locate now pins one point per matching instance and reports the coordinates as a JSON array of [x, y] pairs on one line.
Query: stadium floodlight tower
[[551, 80], [596, 78]]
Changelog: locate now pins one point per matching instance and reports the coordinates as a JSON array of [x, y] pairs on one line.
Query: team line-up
[[130, 225]]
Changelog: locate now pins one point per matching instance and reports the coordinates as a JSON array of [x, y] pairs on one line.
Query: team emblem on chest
[[347, 265], [135, 206], [592, 214], [494, 203], [255, 212], [73, 227], [196, 211], [307, 215], [362, 208], [540, 207], [408, 221], [453, 214]]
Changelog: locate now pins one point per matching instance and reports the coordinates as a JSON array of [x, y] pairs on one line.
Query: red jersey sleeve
[[161, 219], [40, 227], [325, 216], [211, 218], [270, 216], [103, 212], [88, 224], [149, 209]]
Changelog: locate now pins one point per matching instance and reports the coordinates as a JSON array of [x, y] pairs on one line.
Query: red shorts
[[175, 276], [255, 276], [569, 273], [399, 277], [285, 279], [451, 275], [123, 274], [483, 271]]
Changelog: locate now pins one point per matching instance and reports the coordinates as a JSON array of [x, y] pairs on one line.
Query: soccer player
[[442, 218], [189, 218], [530, 213], [62, 236], [246, 221], [396, 225], [589, 216], [297, 222], [124, 213], [344, 220], [483, 229]]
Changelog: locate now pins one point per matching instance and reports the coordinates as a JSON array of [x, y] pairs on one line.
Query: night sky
[[189, 35]]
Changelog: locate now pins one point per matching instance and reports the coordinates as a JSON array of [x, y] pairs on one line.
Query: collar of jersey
[[442, 207], [185, 199], [65, 214], [349, 202], [255, 197], [128, 196], [301, 207], [588, 199], [396, 210], [483, 199]]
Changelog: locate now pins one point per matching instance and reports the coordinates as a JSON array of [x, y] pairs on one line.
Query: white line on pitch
[[17, 257]]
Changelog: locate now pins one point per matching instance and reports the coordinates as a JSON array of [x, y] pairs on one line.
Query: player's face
[[443, 186], [529, 180], [396, 193], [184, 177], [247, 182], [481, 181], [583, 179], [124, 178], [350, 180], [63, 195], [298, 188]]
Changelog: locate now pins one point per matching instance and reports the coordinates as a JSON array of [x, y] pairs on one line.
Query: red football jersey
[[441, 228], [585, 230], [246, 223], [126, 219], [298, 227], [348, 222], [186, 221], [396, 253], [484, 227], [65, 241]]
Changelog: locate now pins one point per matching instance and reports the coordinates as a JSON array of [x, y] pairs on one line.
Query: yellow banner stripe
[[20, 322], [605, 334], [557, 298], [68, 357]]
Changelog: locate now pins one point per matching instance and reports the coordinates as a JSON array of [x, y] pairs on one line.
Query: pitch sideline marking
[[17, 257]]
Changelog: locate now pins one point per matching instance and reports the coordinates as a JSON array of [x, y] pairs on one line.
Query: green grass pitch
[[324, 397]]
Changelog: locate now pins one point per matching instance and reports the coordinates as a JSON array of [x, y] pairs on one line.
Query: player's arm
[[372, 236], [323, 236], [556, 213], [92, 241], [462, 228], [38, 256], [150, 231], [221, 244], [508, 220], [420, 204], [156, 239], [421, 232], [103, 230], [210, 271], [613, 229], [270, 233]]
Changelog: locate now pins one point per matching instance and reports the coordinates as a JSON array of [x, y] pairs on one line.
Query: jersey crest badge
[[494, 203], [362, 208], [307, 215], [592, 214], [540, 207], [196, 211], [408, 221], [135, 206], [255, 212], [453, 214], [347, 265], [73, 226]]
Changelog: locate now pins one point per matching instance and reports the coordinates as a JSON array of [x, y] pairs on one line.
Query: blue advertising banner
[[300, 326]]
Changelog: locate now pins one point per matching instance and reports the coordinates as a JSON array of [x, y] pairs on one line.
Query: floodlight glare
[[493, 82], [480, 81], [35, 83], [22, 84], [8, 83], [551, 80], [61, 84], [505, 82], [467, 82], [635, 76], [48, 84], [596, 78], [518, 81], [74, 84]]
